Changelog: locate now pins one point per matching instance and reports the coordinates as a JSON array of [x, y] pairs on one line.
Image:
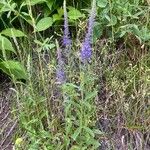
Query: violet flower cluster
[[86, 50], [66, 36], [60, 73]]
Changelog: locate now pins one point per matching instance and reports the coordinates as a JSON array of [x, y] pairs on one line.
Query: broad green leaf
[[6, 44], [75, 14], [56, 17], [1, 5], [76, 133], [8, 7], [12, 32], [33, 2], [122, 33], [142, 34], [50, 3], [60, 11], [97, 32], [14, 68], [44, 23], [112, 21], [102, 3]]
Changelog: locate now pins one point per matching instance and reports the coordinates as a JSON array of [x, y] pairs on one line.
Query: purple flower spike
[[91, 20], [86, 51], [66, 36], [60, 73]]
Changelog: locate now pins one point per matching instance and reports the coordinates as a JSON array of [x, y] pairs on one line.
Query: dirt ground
[[7, 124]]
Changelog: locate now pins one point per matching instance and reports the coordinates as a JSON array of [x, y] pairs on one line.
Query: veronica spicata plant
[[86, 50], [60, 73], [66, 36]]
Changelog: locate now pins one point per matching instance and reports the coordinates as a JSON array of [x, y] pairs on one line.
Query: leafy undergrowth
[[105, 106], [71, 96]]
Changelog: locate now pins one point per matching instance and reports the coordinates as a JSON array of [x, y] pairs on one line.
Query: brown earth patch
[[7, 123]]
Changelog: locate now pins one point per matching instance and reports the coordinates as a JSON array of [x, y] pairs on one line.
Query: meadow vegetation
[[80, 72]]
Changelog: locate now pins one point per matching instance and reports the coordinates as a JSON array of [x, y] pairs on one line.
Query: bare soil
[[7, 123]]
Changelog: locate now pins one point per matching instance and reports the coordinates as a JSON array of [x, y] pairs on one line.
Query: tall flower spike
[[86, 50], [66, 36], [60, 73]]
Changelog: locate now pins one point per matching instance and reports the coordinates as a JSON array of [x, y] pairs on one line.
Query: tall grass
[[54, 113]]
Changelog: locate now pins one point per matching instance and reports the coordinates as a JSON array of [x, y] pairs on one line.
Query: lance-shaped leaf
[[12, 32], [6, 44], [13, 68]]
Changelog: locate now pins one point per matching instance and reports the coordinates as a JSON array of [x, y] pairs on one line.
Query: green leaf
[[102, 3], [89, 131], [33, 2], [44, 23], [98, 30], [1, 5], [112, 21], [72, 86], [76, 133], [97, 131], [93, 142], [90, 95], [60, 11], [6, 44], [14, 68], [56, 17], [75, 147], [50, 46], [142, 34], [75, 14], [8, 6], [49, 3], [12, 32]]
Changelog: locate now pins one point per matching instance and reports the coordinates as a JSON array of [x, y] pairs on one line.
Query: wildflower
[[19, 141], [66, 37], [86, 50], [60, 73]]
